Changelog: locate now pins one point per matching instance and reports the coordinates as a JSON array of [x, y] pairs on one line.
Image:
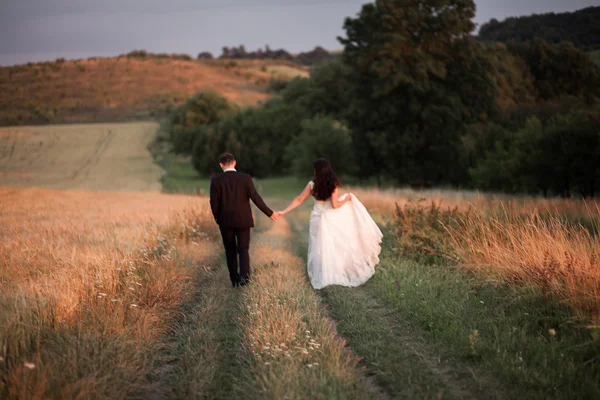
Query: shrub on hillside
[[205, 108], [205, 55]]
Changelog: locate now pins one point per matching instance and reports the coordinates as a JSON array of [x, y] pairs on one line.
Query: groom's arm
[[256, 199], [215, 201]]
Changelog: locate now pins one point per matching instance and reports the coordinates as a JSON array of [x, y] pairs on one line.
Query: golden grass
[[547, 251], [91, 156], [120, 88], [532, 241], [297, 352], [385, 200], [88, 284]]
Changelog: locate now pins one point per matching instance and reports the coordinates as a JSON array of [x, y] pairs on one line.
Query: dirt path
[[91, 157], [276, 339], [270, 339]]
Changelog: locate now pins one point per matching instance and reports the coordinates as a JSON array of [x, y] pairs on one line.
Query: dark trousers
[[237, 242]]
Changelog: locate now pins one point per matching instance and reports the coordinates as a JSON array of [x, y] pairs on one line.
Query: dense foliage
[[203, 109], [415, 99], [582, 28]]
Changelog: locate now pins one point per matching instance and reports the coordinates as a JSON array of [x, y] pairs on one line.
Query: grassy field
[[124, 89], [92, 157], [476, 296], [89, 284], [123, 294]]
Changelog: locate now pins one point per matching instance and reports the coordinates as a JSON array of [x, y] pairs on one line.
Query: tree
[[561, 157], [413, 99], [580, 27], [205, 108], [257, 136], [321, 137], [205, 55]]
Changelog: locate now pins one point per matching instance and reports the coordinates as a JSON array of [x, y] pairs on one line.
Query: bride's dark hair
[[325, 180]]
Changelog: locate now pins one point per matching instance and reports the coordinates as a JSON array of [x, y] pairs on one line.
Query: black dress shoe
[[244, 281]]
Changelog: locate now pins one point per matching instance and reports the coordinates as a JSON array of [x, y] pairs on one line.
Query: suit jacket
[[230, 195]]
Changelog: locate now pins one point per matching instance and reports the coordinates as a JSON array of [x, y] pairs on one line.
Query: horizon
[[80, 30]]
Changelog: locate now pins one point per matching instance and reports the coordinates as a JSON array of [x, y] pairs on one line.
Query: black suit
[[230, 195]]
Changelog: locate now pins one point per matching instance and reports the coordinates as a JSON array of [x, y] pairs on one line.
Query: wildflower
[[133, 305], [114, 300], [474, 339], [29, 365], [551, 332], [309, 365]]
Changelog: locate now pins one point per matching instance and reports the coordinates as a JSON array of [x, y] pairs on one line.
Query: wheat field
[[89, 282]]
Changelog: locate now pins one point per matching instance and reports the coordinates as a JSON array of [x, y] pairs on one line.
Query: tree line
[[416, 99], [582, 28]]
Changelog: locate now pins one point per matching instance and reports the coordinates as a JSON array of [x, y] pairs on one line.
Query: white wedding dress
[[344, 244]]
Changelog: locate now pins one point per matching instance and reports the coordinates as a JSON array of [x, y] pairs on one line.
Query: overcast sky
[[39, 30]]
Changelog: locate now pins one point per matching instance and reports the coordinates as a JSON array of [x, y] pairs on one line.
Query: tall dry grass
[[547, 251], [551, 244], [89, 282], [384, 201]]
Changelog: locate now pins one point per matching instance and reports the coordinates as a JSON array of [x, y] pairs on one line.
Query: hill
[[581, 27], [127, 88]]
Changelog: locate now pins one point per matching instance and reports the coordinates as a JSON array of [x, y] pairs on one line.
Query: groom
[[230, 195]]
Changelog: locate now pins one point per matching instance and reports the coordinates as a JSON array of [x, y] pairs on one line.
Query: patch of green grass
[[392, 351], [181, 177], [209, 352], [493, 340], [535, 349], [285, 188]]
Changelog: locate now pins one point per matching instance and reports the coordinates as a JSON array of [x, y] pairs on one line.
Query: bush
[[321, 138], [257, 137], [421, 233], [560, 157], [203, 109]]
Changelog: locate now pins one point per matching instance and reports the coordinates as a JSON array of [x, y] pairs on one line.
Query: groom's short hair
[[226, 158]]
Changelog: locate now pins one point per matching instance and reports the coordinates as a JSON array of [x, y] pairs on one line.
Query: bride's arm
[[335, 200], [298, 200]]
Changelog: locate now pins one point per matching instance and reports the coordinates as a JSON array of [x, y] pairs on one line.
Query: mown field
[[124, 294], [91, 157]]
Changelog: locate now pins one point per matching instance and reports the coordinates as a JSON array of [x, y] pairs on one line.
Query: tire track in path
[[396, 357]]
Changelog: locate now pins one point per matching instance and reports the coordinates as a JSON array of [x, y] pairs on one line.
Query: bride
[[344, 241]]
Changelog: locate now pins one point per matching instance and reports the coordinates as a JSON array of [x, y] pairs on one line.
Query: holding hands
[[276, 215]]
